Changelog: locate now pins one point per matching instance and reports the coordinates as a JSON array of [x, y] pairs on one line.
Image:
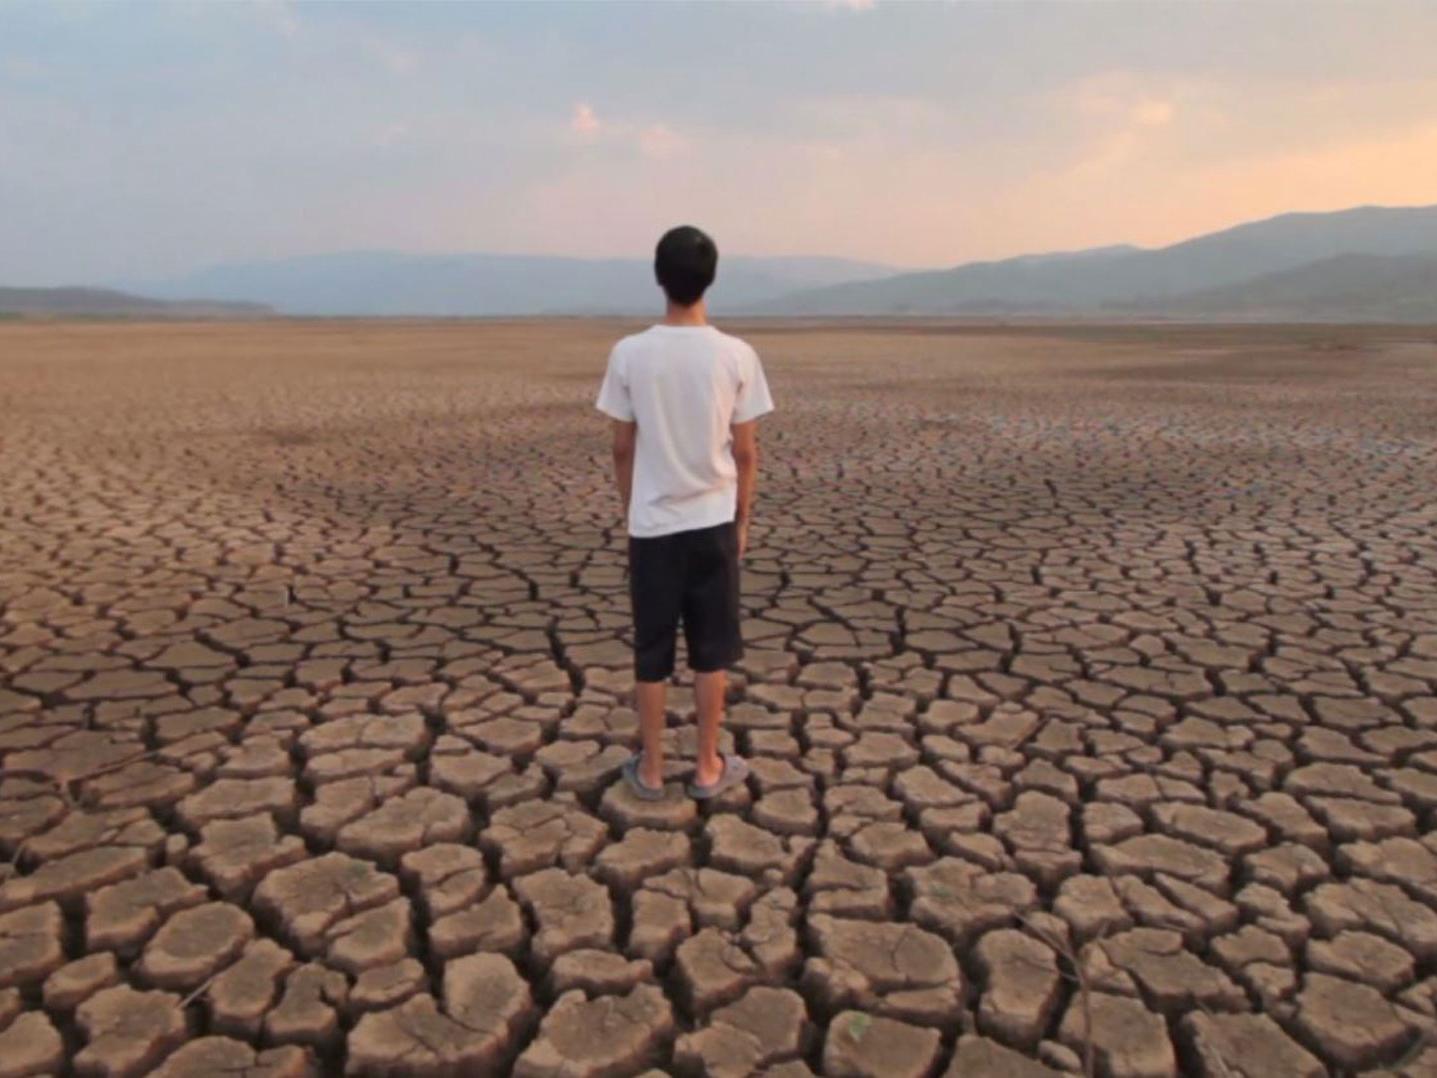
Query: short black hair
[[685, 263]]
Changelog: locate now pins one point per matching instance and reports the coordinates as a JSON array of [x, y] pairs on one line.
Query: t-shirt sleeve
[[614, 393], [752, 399]]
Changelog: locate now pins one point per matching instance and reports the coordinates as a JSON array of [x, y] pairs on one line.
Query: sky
[[139, 140]]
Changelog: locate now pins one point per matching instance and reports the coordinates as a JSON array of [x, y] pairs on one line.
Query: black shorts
[[690, 576]]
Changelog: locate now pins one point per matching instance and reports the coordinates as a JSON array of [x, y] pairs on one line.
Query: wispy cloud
[[584, 120], [659, 142], [1120, 97], [653, 140]]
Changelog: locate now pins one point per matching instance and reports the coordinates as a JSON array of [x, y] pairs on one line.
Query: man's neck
[[696, 315]]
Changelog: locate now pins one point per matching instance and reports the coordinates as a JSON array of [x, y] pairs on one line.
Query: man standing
[[684, 398]]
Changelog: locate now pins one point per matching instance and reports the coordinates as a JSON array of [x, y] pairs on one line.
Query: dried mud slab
[[485, 1005]]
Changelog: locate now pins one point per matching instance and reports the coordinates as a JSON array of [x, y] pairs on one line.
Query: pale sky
[[144, 139]]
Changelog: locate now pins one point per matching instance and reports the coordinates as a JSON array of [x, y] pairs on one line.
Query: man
[[684, 399]]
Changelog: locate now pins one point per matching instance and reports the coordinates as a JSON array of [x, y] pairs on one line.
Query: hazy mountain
[[1103, 278], [79, 302], [1345, 288], [389, 283]]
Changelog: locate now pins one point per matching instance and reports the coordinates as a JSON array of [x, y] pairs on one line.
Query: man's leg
[[711, 626], [655, 583], [708, 696], [651, 699]]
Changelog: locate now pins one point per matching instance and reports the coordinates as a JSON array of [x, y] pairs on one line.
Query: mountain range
[[386, 283], [1370, 263], [1297, 266], [108, 303]]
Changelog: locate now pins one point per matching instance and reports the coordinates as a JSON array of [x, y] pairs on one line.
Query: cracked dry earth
[[1091, 694]]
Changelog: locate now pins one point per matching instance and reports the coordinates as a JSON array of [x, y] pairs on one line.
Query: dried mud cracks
[[1067, 736]]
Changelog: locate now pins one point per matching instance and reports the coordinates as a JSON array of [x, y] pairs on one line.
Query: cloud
[[851, 5], [658, 142], [1118, 97], [653, 140], [584, 120]]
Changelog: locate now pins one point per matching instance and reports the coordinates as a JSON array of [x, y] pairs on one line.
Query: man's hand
[[741, 526]]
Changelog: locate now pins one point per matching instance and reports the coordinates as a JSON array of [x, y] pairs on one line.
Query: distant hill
[[1154, 281], [380, 283], [1345, 288], [102, 302]]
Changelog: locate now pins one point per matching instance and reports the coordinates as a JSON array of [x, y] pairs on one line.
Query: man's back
[[684, 387]]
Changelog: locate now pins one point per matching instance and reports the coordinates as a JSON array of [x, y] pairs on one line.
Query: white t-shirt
[[684, 386]]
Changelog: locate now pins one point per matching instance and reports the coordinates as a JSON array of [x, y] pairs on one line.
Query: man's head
[[685, 262]]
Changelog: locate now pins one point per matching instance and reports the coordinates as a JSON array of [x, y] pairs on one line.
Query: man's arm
[[745, 458], [625, 437]]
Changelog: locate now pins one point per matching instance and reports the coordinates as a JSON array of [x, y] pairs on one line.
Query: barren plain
[[1091, 690]]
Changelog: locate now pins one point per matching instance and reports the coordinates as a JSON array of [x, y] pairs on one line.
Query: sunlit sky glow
[[140, 140]]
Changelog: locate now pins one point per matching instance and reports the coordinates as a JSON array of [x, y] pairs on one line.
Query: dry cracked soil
[[1091, 694]]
